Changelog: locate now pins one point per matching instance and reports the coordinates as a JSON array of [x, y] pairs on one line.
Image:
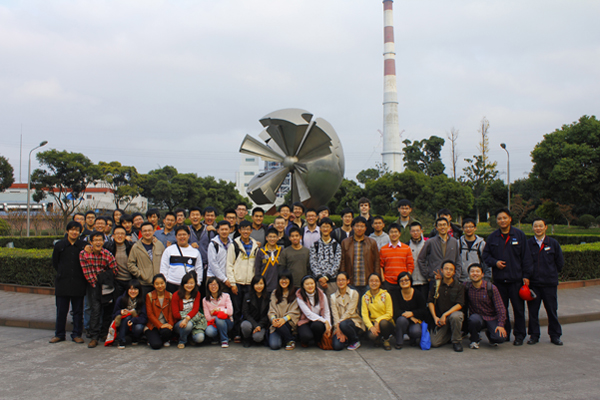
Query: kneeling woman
[[189, 320], [283, 313], [255, 312], [159, 329], [410, 309], [315, 318], [218, 311], [377, 312], [130, 313]]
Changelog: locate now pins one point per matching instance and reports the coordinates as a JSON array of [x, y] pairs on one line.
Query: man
[[109, 226], [405, 220], [325, 258], [364, 207], [344, 231], [311, 233], [416, 244], [127, 223], [153, 216], [285, 212], [70, 283], [323, 212], [453, 230], [180, 216], [90, 220], [295, 258], [202, 233], [279, 224], [259, 230], [217, 254], [347, 324], [439, 248], [241, 210], [138, 220], [179, 259], [507, 252], [120, 248], [99, 226], [445, 303], [360, 256], [145, 257], [98, 266], [378, 234], [548, 261], [394, 258], [486, 309], [298, 211], [230, 216], [241, 257], [267, 261], [471, 250], [80, 219], [167, 234]]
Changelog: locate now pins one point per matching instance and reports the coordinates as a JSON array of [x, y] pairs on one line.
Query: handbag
[[425, 337], [326, 342]]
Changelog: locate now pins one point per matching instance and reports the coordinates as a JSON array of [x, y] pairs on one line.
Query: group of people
[[302, 279]]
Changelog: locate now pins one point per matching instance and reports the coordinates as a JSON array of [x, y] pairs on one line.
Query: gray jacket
[[431, 257], [473, 256], [416, 248]]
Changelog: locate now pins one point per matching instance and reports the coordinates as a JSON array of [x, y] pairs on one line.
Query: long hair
[[210, 280], [291, 289], [184, 280], [255, 280], [303, 291], [140, 300]]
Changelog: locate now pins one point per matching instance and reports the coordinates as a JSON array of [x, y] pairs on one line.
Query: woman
[[159, 329], [410, 309], [377, 312], [186, 311], [315, 318], [347, 324], [255, 311], [130, 313], [218, 311], [116, 216], [284, 313]]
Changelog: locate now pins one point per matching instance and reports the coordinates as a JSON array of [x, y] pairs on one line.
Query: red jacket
[[177, 305], [153, 309]]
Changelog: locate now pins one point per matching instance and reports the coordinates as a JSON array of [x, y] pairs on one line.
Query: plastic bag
[[425, 337]]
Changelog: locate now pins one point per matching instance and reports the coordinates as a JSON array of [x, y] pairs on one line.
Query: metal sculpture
[[307, 148]]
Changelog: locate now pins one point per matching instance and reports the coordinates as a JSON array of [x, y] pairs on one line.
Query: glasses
[[405, 280]]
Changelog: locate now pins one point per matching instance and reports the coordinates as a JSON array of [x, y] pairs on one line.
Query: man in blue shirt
[[167, 234]]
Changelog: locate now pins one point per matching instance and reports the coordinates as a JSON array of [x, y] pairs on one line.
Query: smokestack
[[392, 144]]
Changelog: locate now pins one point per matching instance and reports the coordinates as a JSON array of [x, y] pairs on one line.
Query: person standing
[[360, 256], [217, 254], [167, 235], [405, 220], [120, 248], [471, 250], [453, 229], [179, 259], [416, 243], [311, 233], [145, 257], [344, 231], [394, 258], [438, 249], [364, 207], [259, 230], [295, 258], [508, 253], [325, 257], [548, 261], [266, 264], [378, 234]]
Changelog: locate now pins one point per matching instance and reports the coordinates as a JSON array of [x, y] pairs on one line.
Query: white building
[[250, 166]]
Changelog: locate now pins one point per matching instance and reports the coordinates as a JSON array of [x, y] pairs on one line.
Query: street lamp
[[503, 145], [45, 142]]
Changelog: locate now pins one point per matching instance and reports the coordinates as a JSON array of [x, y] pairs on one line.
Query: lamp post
[[503, 145], [45, 142]]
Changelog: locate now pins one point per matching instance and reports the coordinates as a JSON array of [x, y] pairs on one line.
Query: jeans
[[348, 328], [222, 329], [156, 337], [185, 332], [406, 326], [62, 310], [136, 329], [247, 332], [311, 331], [449, 332], [282, 335], [476, 324]]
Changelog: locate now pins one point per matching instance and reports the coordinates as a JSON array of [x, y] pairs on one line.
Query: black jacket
[[255, 309], [70, 280], [112, 247], [514, 250], [548, 261], [417, 305]]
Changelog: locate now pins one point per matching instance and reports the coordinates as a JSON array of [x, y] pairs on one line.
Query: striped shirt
[[394, 260], [93, 264], [359, 277]]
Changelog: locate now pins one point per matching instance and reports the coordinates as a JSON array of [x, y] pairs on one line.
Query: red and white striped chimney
[[392, 143]]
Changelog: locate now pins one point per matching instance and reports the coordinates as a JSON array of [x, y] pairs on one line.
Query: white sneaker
[[166, 344], [474, 345], [224, 345]]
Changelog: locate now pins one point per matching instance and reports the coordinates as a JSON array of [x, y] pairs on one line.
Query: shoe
[[237, 339], [354, 346], [474, 345], [291, 345], [494, 344], [398, 346], [56, 339], [386, 345], [224, 345], [247, 343], [121, 345], [181, 346], [533, 340], [134, 343], [93, 343], [556, 341], [165, 344], [214, 342], [457, 347], [518, 342], [78, 339]]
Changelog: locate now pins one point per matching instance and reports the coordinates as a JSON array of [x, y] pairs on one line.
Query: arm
[[314, 263], [230, 263], [56, 256], [337, 257], [117, 308], [376, 262], [334, 311], [306, 310], [246, 312], [207, 310], [410, 262], [228, 306], [195, 307], [152, 318], [389, 310], [175, 304], [258, 263], [486, 254], [132, 264], [422, 261], [142, 317], [527, 265], [199, 268], [165, 264], [365, 313]]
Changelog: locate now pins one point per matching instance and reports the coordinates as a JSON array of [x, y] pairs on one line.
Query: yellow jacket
[[377, 308]]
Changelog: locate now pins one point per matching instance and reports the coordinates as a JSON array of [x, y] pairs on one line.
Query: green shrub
[[598, 220], [4, 227], [581, 262], [586, 220], [563, 240], [26, 267], [32, 242]]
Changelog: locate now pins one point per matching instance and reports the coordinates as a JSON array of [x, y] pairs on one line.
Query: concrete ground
[[32, 368]]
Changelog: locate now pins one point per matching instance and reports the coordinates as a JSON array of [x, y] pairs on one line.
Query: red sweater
[[177, 304], [394, 260]]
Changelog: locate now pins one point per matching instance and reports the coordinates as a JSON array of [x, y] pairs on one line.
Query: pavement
[[38, 311]]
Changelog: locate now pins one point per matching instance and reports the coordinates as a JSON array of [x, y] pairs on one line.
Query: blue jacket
[[512, 249], [547, 262]]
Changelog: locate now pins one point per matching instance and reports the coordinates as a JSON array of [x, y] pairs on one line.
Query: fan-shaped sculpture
[[308, 148]]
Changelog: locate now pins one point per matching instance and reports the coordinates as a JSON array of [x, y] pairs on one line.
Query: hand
[[228, 284], [501, 331], [442, 320], [129, 323], [278, 322], [327, 329], [183, 323], [340, 335], [415, 320], [407, 314], [437, 275], [123, 312], [234, 290], [128, 238], [436, 320], [374, 330], [154, 239], [169, 243], [166, 326], [215, 311], [87, 248], [501, 264], [195, 245], [525, 281], [210, 228], [257, 329], [323, 282]]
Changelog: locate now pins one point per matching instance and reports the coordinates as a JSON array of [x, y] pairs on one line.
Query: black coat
[[70, 280], [111, 246], [255, 310]]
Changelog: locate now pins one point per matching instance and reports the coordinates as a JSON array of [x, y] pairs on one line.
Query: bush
[[586, 220], [581, 262], [32, 242], [563, 240], [4, 227], [27, 267], [598, 220]]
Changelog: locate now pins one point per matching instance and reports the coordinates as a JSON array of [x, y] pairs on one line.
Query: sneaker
[[237, 339], [224, 345], [134, 343], [165, 344], [291, 345], [474, 345], [386, 345], [398, 346], [494, 344], [457, 347], [354, 346], [181, 346], [247, 343], [121, 345]]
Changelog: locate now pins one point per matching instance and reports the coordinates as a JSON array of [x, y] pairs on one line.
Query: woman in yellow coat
[[378, 312]]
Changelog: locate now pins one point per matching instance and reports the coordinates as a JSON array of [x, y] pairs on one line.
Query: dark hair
[[241, 204], [153, 211], [184, 280], [359, 219], [171, 213], [444, 211], [210, 209], [258, 209], [394, 226], [136, 214], [346, 211], [291, 289], [76, 214], [404, 202], [343, 273], [223, 222], [282, 206], [146, 224], [74, 224], [119, 210], [210, 280], [379, 217], [326, 221], [140, 298], [294, 229], [416, 223], [127, 217], [469, 221], [158, 276], [272, 230], [441, 219], [503, 210], [377, 275], [245, 224], [180, 210], [303, 291], [476, 265], [101, 219], [364, 200], [228, 211], [402, 275], [299, 204], [96, 233], [182, 228], [323, 208], [119, 227], [255, 280], [109, 219], [311, 210], [448, 262], [278, 217], [536, 219], [195, 208], [90, 212]]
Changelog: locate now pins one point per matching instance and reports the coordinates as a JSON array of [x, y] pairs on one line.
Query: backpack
[[236, 248], [478, 248]]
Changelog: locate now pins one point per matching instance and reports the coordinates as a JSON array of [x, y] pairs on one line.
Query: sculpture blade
[[315, 144], [256, 148], [287, 128], [263, 187], [300, 190]]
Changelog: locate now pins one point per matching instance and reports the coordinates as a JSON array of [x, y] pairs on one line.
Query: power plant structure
[[392, 143]]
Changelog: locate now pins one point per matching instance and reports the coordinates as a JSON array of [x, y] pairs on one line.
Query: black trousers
[[62, 311], [237, 300], [311, 331], [548, 295], [156, 337], [101, 313], [509, 291]]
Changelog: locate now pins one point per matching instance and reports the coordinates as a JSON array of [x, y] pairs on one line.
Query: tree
[[453, 137], [123, 180], [444, 192], [424, 156], [478, 176], [492, 198], [386, 191], [346, 196], [520, 208], [566, 165], [565, 211], [549, 211], [64, 176], [484, 145], [6, 174], [367, 175]]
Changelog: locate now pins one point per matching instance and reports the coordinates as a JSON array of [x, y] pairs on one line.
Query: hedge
[[26, 267], [581, 262], [564, 240], [32, 242]]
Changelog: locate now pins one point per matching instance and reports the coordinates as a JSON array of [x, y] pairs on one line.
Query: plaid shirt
[[93, 264], [480, 303], [359, 278]]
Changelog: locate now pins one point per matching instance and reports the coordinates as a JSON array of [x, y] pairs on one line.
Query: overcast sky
[[155, 83]]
